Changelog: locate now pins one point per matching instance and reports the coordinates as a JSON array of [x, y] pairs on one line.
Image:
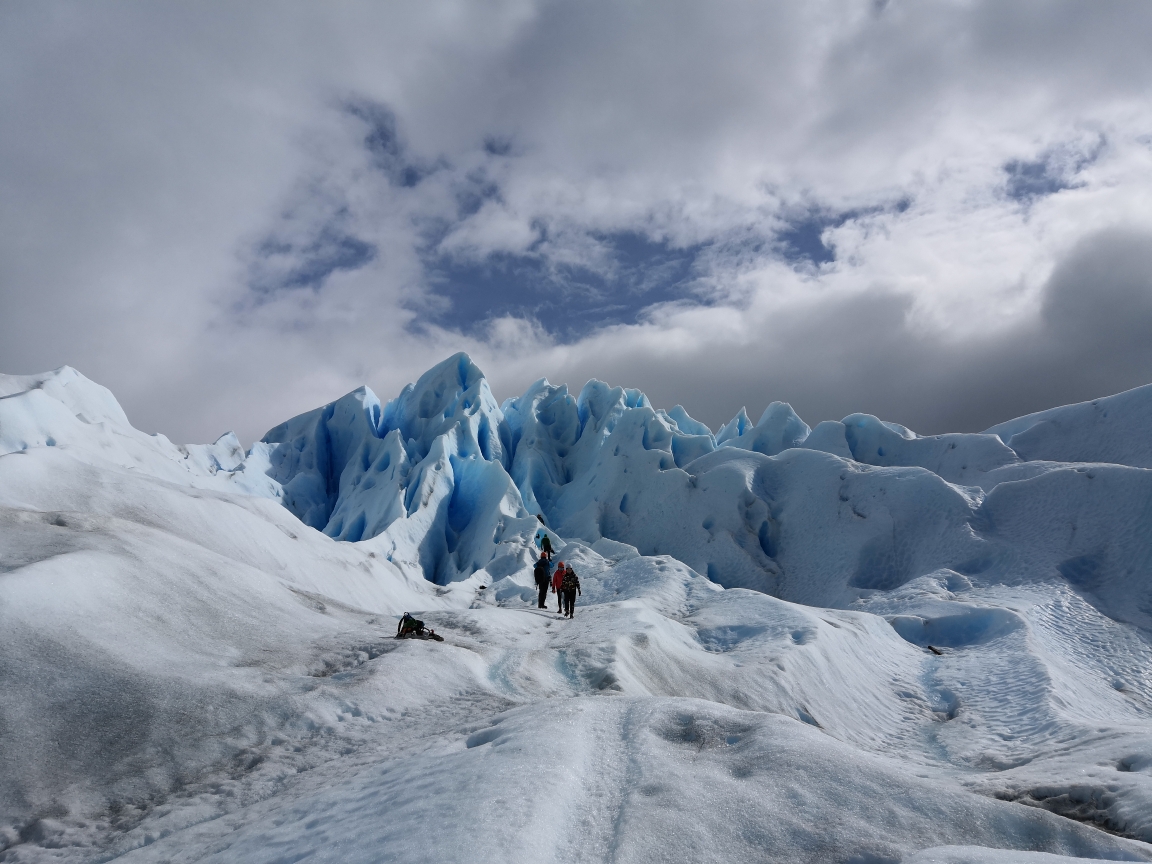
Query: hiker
[[543, 541], [570, 585], [543, 578], [409, 625], [557, 581]]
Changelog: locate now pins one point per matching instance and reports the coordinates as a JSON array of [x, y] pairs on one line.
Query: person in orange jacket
[[557, 581]]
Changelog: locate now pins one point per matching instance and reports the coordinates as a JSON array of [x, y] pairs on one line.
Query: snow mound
[[65, 411], [85, 399], [1113, 429], [957, 458]]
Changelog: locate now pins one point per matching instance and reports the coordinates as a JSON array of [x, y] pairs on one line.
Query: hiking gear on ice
[[569, 603], [409, 626], [423, 634]]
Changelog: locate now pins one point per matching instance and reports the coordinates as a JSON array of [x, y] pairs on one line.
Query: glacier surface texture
[[839, 643]]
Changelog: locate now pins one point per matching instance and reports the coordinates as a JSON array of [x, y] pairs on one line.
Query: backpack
[[570, 583], [541, 572]]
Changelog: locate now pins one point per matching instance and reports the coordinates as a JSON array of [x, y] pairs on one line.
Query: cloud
[[865, 352], [229, 213], [1097, 311]]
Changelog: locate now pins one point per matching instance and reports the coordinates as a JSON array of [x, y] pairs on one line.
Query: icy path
[[674, 722]]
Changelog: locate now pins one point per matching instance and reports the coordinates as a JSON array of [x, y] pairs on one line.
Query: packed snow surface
[[839, 643]]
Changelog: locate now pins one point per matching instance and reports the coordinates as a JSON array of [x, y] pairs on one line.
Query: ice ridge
[[445, 473], [445, 483]]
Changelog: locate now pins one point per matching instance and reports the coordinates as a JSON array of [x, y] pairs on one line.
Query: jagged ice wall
[[449, 482]]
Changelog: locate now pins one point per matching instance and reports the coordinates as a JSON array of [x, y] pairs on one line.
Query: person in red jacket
[[557, 581]]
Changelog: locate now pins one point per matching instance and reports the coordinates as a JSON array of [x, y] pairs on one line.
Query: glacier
[[843, 642]]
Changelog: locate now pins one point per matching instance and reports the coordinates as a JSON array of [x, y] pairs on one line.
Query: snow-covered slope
[[1114, 429], [198, 662]]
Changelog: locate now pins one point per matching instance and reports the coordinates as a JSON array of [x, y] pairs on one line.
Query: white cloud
[[148, 151]]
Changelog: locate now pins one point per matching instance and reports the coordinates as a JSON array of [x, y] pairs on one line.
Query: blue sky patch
[[470, 197], [801, 240], [1054, 171], [283, 265], [1028, 181], [568, 300], [382, 140]]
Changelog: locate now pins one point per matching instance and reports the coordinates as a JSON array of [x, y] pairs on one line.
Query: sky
[[938, 211]]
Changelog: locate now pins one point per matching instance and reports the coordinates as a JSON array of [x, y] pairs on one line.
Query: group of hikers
[[563, 582]]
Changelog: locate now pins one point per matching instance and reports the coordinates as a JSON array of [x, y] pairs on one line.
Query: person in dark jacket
[[543, 541], [570, 586], [543, 580]]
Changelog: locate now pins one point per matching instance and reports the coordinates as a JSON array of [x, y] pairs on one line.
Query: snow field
[[622, 776], [620, 779], [195, 669]]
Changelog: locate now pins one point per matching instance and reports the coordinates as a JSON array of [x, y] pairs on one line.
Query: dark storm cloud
[[1097, 311], [1092, 338]]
